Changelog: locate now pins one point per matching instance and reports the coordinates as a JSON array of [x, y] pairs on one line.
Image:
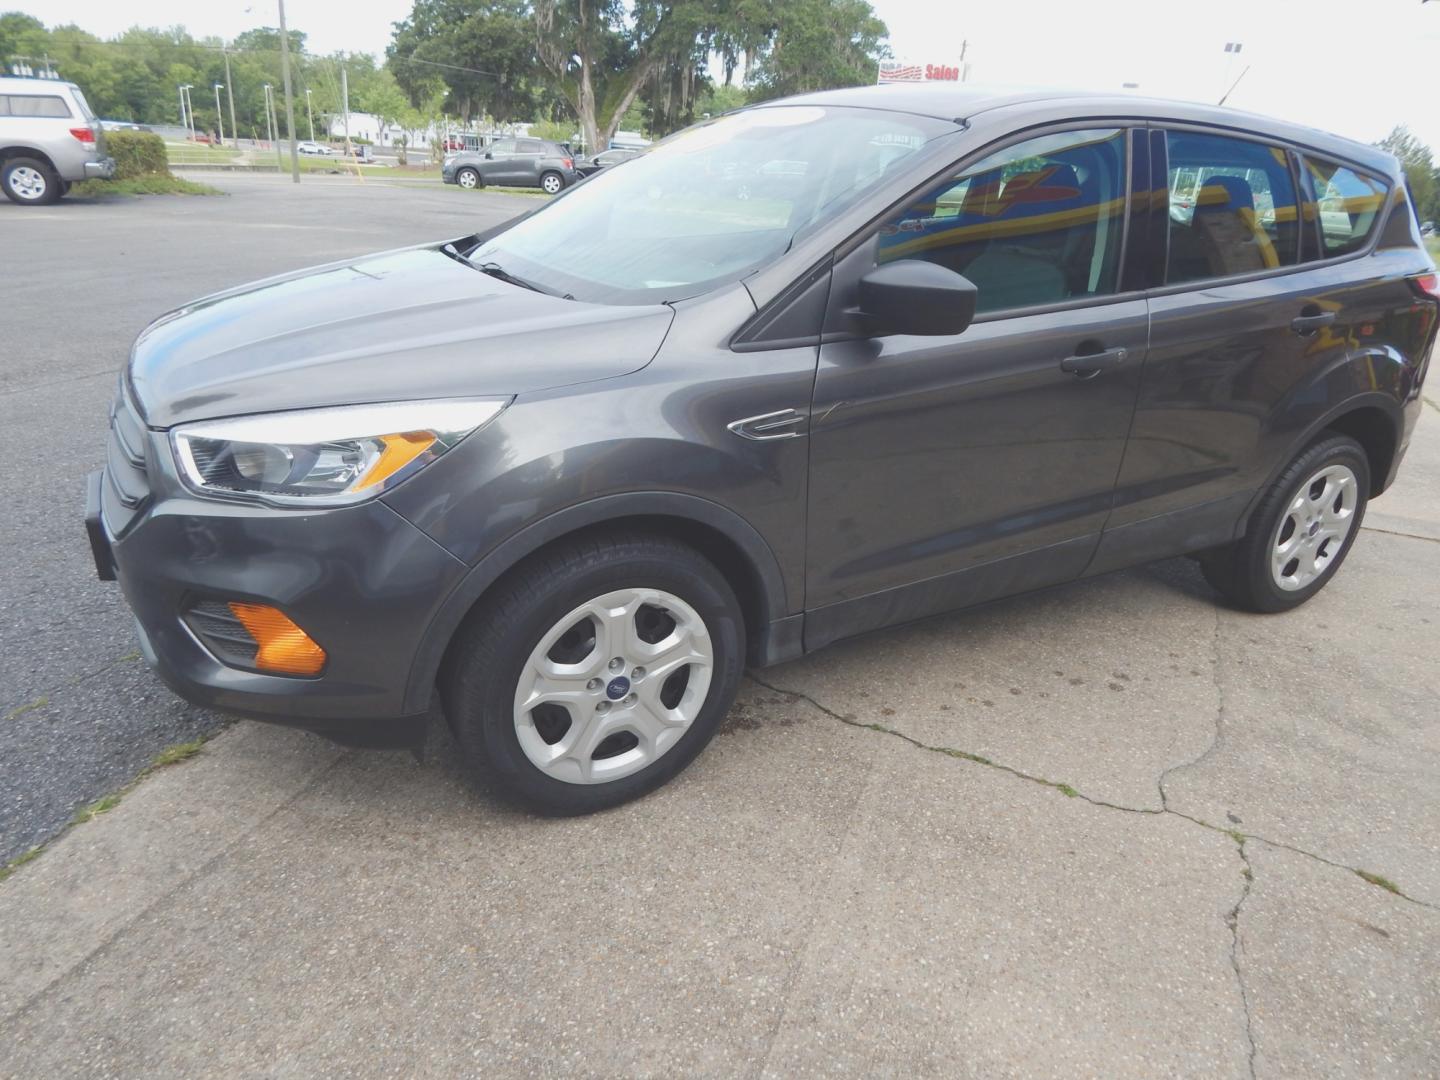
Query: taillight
[[1428, 285], [85, 135], [569, 163]]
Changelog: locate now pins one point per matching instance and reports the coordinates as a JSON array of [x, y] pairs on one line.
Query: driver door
[[947, 470]]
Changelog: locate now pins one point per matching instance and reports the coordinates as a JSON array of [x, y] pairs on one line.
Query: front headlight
[[324, 457]]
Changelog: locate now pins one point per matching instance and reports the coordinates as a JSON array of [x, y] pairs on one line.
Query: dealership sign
[[904, 71]]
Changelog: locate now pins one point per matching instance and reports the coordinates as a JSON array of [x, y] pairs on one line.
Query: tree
[[1419, 166], [819, 45], [482, 53]]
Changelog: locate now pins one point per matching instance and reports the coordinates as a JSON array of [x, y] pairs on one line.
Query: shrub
[[137, 154]]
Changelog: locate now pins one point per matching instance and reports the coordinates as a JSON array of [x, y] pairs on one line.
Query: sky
[[1357, 69]]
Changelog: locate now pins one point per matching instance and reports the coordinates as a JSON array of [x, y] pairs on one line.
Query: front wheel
[[597, 672], [468, 179], [552, 183], [1299, 534]]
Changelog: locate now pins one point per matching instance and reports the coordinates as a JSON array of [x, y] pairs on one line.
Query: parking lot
[[1111, 829]]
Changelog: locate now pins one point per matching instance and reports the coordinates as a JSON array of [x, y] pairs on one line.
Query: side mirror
[[489, 155], [911, 296]]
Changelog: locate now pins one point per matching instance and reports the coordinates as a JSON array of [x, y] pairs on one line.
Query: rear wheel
[[597, 672], [469, 179], [1299, 534], [552, 183], [29, 182]]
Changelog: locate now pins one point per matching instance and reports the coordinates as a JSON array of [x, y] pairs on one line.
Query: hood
[[403, 325]]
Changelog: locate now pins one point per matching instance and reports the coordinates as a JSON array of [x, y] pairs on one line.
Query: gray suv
[[569, 476], [513, 163], [48, 139]]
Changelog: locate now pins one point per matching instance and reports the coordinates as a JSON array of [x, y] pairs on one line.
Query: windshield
[[708, 205]]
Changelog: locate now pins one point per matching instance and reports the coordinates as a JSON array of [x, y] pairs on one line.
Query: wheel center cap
[[617, 688]]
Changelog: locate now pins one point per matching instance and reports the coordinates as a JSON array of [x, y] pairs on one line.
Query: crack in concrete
[[1237, 947], [1219, 715], [1065, 789]]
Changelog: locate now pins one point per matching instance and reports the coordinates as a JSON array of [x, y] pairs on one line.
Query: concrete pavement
[[1107, 830]]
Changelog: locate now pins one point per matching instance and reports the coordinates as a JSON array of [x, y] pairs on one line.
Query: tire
[[29, 182], [1299, 534], [552, 183], [613, 733], [469, 179]]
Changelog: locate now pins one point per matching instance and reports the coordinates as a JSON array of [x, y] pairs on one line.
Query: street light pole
[[184, 123], [310, 112], [230, 95], [289, 99], [190, 107], [219, 116], [269, 137]]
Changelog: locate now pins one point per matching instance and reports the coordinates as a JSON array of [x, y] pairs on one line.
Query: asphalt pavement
[[79, 713], [1112, 829]]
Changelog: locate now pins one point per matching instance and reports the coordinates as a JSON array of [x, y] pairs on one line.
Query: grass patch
[[171, 755], [532, 192], [1376, 879], [142, 185]]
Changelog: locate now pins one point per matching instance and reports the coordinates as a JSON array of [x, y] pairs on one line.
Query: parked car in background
[[513, 162], [1427, 228], [49, 138], [604, 160], [315, 149], [573, 473]]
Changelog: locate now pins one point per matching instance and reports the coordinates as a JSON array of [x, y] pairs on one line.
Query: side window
[[530, 146], [4, 105], [46, 105], [503, 146], [1036, 223], [1349, 205], [1232, 207]]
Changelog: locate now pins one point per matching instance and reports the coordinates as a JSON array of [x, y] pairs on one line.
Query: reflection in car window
[[503, 146], [1349, 205], [709, 204], [1232, 207], [529, 146], [1036, 223]]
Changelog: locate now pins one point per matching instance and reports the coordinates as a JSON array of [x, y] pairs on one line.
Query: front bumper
[[361, 580], [104, 169]]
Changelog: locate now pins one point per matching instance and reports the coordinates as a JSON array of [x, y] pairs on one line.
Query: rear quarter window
[[1348, 205], [42, 105]]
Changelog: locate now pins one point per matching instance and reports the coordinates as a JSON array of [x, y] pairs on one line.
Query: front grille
[[128, 485], [216, 625]]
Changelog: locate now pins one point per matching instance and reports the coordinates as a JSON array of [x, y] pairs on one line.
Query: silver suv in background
[[513, 162], [48, 139]]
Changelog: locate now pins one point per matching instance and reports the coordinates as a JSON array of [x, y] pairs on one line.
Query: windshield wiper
[[495, 270]]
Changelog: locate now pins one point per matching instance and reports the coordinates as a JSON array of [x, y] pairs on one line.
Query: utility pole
[[310, 112], [219, 116], [230, 93], [183, 121], [289, 101], [345, 104]]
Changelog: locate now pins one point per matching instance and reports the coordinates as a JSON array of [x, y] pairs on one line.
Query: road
[[81, 714], [1112, 829]]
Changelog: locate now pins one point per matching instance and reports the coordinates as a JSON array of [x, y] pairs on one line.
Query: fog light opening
[[282, 647]]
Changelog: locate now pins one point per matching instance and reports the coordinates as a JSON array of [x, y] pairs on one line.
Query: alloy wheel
[[30, 184], [613, 686], [1313, 529], [466, 179], [551, 184]]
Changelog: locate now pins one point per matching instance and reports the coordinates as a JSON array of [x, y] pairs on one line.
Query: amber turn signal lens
[[283, 647]]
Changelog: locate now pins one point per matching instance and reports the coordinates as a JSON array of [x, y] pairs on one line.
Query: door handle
[[1091, 364], [1307, 323]]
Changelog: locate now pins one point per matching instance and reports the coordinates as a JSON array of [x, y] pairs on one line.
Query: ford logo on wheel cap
[[618, 687]]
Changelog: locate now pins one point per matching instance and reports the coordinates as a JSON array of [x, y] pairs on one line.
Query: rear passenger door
[[1249, 307], [528, 153]]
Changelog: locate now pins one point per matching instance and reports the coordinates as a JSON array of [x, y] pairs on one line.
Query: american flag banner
[[898, 71]]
